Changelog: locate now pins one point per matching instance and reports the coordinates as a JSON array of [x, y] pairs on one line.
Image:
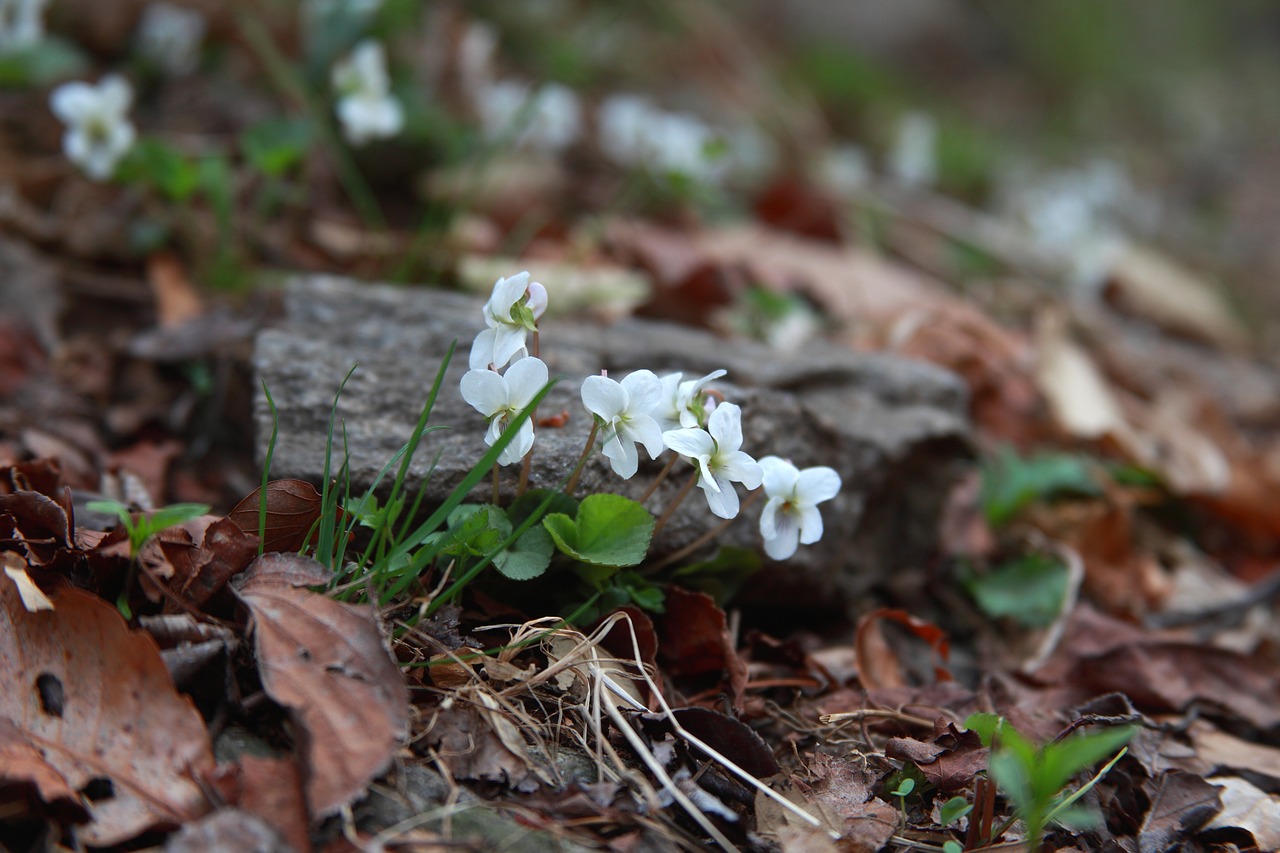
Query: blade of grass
[[266, 470], [328, 514]]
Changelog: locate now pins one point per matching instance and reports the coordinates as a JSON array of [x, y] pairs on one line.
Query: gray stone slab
[[892, 428]]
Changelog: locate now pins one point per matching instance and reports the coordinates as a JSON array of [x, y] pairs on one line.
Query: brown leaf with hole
[[96, 700], [326, 662], [949, 759], [292, 508], [24, 764]]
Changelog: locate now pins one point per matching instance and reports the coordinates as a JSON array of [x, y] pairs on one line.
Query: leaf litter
[[635, 727]]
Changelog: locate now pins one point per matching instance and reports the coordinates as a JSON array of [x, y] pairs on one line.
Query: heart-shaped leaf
[[610, 530]]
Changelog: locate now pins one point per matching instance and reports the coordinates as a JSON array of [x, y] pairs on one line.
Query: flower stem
[[572, 485], [522, 484], [662, 475], [711, 534], [662, 521]]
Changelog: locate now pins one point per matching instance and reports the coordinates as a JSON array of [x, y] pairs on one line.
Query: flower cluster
[[366, 107], [99, 132], [642, 410], [510, 314]]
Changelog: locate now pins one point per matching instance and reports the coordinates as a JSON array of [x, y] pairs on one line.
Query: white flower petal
[[526, 378], [508, 341], [818, 484], [725, 427], [644, 391], [694, 443], [739, 467], [769, 518], [604, 397], [782, 545], [507, 292], [537, 299], [810, 525], [724, 501], [622, 456], [779, 476], [519, 448], [482, 350], [644, 430], [486, 391], [74, 102]]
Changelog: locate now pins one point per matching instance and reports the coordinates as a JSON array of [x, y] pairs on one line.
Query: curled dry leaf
[[878, 664], [693, 638], [325, 661], [292, 508], [96, 700]]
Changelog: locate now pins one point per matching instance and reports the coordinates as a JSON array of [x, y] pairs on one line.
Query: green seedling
[[1029, 589], [1034, 780], [1011, 483], [140, 528], [904, 789]]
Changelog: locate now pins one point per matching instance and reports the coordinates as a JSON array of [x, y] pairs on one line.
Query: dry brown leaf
[[1181, 803], [326, 662], [1227, 752], [1246, 806], [1078, 396], [693, 638], [177, 299], [24, 763], [1154, 287], [292, 509], [96, 700], [466, 742]]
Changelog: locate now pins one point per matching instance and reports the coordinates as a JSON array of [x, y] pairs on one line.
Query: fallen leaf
[[1077, 393], [693, 639], [1181, 803], [464, 739], [227, 829], [1227, 752], [177, 299], [325, 661], [23, 763], [731, 738], [1156, 288], [1246, 806], [33, 598], [878, 664], [268, 788], [949, 759], [292, 509], [96, 700]]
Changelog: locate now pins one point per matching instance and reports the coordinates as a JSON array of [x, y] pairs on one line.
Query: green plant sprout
[[140, 527], [1034, 779]]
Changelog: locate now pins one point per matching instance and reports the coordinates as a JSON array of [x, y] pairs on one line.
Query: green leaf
[[609, 530], [721, 576], [276, 145], [952, 846], [1029, 590], [986, 725], [161, 166], [40, 64], [643, 592], [524, 506], [173, 515], [1010, 483], [528, 557], [952, 810], [1079, 817]]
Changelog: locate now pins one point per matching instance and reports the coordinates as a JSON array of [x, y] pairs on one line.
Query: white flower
[[720, 462], [549, 119], [501, 398], [633, 132], [21, 23], [171, 35], [791, 514], [511, 312], [913, 160], [683, 404], [98, 131], [366, 106], [624, 409]]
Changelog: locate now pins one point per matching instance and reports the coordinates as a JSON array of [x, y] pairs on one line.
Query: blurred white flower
[[625, 410], [511, 313], [99, 132], [790, 516], [913, 160], [845, 169], [720, 462], [170, 36], [684, 404], [633, 132], [366, 107], [548, 119], [21, 23], [500, 398]]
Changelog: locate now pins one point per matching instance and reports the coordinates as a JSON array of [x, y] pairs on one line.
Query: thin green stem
[[572, 485], [662, 521], [527, 465], [662, 475]]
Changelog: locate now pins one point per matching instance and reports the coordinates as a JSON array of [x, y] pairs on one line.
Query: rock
[[893, 429]]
